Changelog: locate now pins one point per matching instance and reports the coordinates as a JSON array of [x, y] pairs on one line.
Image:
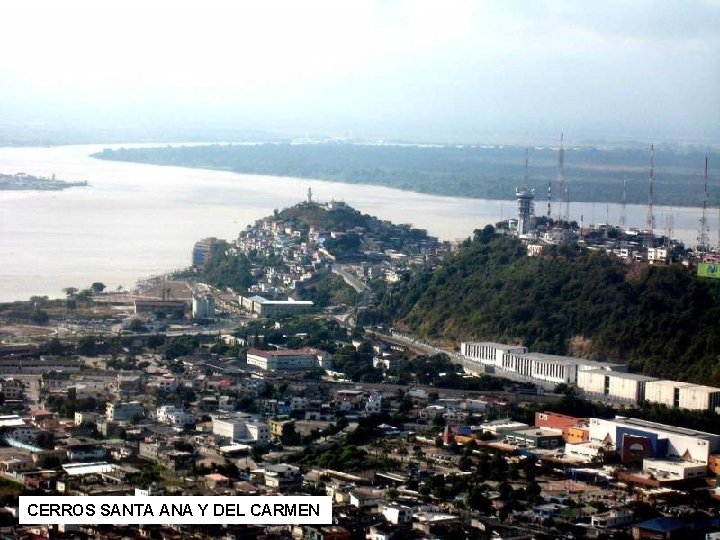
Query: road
[[415, 345], [349, 278]]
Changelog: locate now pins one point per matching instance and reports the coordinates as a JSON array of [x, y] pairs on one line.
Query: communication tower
[[549, 204], [704, 236], [560, 178], [567, 204], [650, 223], [526, 205], [623, 211], [526, 209], [669, 228]]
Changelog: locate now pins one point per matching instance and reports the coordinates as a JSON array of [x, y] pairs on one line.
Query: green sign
[[709, 270]]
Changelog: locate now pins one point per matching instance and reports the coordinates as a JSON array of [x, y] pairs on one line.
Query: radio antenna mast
[[650, 223], [623, 205], [704, 236], [560, 179]]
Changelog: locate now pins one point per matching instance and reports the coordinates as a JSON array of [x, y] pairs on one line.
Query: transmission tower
[[549, 205], [560, 179], [650, 223], [623, 206], [704, 236], [567, 204], [669, 228]]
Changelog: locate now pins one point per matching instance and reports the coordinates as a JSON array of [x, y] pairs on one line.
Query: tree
[[136, 325], [98, 287], [465, 463], [256, 453], [70, 291], [39, 301], [478, 501], [485, 235], [40, 316], [498, 467]]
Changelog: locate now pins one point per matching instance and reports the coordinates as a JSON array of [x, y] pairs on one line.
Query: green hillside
[[664, 321]]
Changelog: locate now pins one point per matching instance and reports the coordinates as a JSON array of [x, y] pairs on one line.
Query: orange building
[[576, 434], [714, 463], [574, 429]]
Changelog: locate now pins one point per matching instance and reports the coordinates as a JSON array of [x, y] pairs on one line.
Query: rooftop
[[623, 375], [571, 360], [637, 422], [288, 352], [76, 469], [500, 346]]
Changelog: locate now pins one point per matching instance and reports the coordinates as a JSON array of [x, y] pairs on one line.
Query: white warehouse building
[[561, 369], [700, 398], [482, 357], [683, 395], [665, 392], [614, 386], [487, 353], [288, 360]]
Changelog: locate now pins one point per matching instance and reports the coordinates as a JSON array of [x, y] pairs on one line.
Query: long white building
[[597, 380], [488, 353], [515, 359], [683, 395], [614, 386]]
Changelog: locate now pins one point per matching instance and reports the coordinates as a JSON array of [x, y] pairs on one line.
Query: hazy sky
[[451, 70]]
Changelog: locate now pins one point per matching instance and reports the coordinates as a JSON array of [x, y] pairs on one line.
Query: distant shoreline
[[592, 175], [28, 182]]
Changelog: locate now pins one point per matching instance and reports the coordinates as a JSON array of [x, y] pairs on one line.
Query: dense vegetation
[[312, 215], [228, 269], [593, 174], [328, 290], [663, 320]]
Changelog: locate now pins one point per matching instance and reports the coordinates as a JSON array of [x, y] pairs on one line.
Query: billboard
[[709, 270]]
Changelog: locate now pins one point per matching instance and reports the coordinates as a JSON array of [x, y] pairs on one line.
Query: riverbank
[[591, 175], [22, 181], [141, 220]]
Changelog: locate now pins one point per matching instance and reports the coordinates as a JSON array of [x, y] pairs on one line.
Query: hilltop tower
[[561, 179], [526, 206], [526, 209], [549, 200], [704, 236], [650, 222]]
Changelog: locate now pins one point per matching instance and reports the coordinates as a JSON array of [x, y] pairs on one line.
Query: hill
[[663, 320], [295, 251]]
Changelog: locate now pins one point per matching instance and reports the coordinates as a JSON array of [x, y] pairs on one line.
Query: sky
[[457, 70]]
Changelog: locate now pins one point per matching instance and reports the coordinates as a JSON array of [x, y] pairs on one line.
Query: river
[[136, 220]]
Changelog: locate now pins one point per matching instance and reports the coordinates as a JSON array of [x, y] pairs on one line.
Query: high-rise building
[[202, 250]]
